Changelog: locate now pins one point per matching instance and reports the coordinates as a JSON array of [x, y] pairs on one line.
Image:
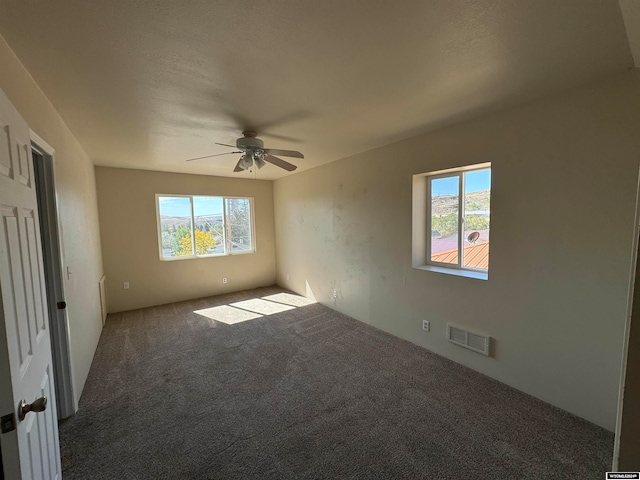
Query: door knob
[[40, 405]]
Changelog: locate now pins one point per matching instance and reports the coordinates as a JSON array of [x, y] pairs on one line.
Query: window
[[198, 226], [455, 230]]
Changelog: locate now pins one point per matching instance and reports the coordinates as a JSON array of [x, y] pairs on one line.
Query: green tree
[[445, 225], [476, 222], [217, 228]]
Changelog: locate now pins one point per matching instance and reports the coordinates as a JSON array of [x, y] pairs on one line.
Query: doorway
[[43, 166]]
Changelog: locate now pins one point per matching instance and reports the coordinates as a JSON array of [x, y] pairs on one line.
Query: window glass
[[239, 224], [175, 226], [208, 217], [444, 211], [475, 241], [197, 226]]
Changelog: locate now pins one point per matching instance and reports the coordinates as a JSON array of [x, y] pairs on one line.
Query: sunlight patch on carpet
[[289, 299], [264, 307], [227, 314]]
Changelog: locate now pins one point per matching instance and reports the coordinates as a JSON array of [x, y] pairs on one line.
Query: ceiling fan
[[254, 152]]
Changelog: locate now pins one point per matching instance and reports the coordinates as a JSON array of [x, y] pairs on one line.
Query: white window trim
[[477, 274], [224, 228], [421, 223]]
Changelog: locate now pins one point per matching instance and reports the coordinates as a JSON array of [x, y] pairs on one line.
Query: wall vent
[[103, 298], [472, 341]]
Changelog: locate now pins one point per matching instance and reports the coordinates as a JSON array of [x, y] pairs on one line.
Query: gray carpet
[[306, 393]]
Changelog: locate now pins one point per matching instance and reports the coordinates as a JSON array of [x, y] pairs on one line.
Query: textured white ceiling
[[148, 84]]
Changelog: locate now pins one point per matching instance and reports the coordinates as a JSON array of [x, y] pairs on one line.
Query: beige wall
[[563, 201], [129, 232], [77, 216]]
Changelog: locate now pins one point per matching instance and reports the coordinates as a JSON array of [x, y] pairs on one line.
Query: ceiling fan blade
[[284, 153], [209, 156], [238, 167], [226, 145], [278, 162], [282, 138]]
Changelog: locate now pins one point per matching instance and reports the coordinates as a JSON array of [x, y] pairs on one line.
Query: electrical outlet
[[126, 285], [426, 325], [335, 293], [224, 279], [287, 276]]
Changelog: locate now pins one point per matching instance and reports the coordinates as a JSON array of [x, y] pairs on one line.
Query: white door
[[31, 450]]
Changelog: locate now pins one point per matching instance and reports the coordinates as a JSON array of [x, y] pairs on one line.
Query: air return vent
[[472, 341]]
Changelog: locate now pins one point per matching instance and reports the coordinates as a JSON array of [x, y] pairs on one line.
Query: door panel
[[5, 150], [23, 156], [25, 343], [50, 422], [42, 454], [36, 273], [14, 300]]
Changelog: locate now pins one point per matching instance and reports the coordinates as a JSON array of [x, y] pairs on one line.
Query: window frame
[[421, 229], [230, 251]]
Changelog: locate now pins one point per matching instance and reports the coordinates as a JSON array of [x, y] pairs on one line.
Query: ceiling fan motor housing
[[245, 143]]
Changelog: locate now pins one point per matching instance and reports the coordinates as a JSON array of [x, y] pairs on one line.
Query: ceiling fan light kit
[[259, 160], [254, 153], [246, 161]]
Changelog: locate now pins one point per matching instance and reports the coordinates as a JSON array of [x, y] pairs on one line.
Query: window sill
[[454, 271], [213, 255], [241, 252]]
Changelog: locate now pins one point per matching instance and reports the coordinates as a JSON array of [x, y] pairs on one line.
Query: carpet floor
[[262, 384]]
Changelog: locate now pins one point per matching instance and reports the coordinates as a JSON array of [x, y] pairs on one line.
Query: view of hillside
[[475, 202], [201, 220], [211, 233], [444, 214]]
